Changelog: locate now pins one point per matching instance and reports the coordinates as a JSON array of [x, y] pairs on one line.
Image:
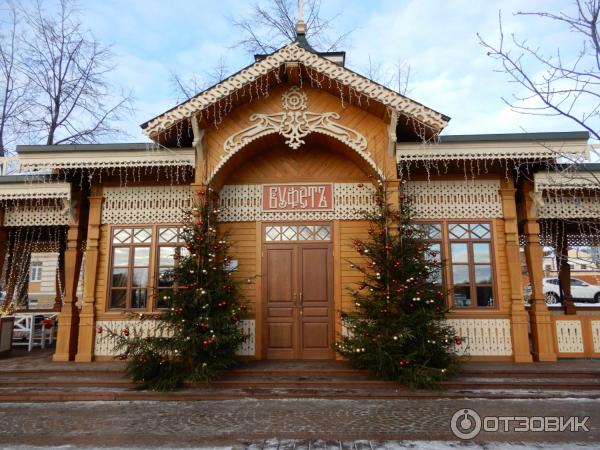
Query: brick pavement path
[[244, 422]]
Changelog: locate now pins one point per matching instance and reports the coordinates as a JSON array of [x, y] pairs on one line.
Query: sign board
[[297, 197]]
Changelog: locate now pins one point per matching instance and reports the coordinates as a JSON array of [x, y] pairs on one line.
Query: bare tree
[[13, 85], [185, 88], [556, 83], [395, 76], [67, 69], [272, 24]]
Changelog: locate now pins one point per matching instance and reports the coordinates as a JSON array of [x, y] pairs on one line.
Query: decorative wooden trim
[[243, 203], [483, 337], [294, 124], [35, 190], [294, 53], [152, 156], [526, 151], [455, 199], [146, 204]]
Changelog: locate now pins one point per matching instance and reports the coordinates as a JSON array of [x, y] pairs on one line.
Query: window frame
[[446, 258], [37, 269], [130, 268], [177, 245], [471, 265]]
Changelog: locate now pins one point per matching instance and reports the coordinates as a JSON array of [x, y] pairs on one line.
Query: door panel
[[316, 279], [298, 300], [281, 334]]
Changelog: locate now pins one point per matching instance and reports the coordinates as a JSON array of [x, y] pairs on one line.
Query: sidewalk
[[245, 422]]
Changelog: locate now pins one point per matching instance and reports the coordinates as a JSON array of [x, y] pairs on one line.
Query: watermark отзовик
[[467, 424]]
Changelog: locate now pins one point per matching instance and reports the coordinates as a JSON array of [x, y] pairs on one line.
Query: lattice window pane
[[323, 233], [166, 235], [480, 231], [306, 233], [297, 233], [121, 236], [142, 235], [431, 231], [289, 234], [459, 230], [273, 233]]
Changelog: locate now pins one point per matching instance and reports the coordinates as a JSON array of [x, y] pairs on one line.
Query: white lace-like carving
[[35, 190], [519, 151], [568, 207], [596, 334], [483, 337], [569, 336], [151, 156], [243, 203], [294, 53], [146, 204], [104, 345], [455, 199], [294, 125], [34, 215], [549, 181]]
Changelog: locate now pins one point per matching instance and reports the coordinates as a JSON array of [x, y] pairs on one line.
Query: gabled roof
[[290, 53]]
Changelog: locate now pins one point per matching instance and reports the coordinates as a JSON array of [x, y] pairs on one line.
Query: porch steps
[[73, 382]]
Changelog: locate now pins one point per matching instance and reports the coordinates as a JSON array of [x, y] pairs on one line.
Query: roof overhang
[[526, 146], [42, 158], [573, 178], [33, 188], [294, 53]]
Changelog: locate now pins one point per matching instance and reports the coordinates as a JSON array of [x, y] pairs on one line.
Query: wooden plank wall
[[373, 128]]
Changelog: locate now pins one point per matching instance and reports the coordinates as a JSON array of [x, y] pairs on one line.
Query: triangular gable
[[289, 54]]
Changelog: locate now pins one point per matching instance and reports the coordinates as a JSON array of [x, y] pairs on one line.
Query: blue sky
[[450, 71]]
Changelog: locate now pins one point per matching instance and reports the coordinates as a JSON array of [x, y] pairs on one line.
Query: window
[[143, 266], [35, 273], [280, 233], [466, 249], [170, 247], [432, 232], [130, 268], [470, 262]]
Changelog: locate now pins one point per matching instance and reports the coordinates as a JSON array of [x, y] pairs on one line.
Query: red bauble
[[457, 340]]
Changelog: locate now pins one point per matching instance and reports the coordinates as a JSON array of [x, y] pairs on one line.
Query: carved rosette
[[295, 124]]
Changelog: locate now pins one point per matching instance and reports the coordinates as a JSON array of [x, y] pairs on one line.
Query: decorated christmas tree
[[198, 334], [397, 329]]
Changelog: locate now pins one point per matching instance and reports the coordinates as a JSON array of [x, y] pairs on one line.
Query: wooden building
[[292, 145]]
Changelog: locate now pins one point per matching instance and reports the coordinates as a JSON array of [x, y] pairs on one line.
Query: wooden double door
[[298, 301]]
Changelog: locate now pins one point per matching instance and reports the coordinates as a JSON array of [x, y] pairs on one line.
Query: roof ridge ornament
[[300, 25]]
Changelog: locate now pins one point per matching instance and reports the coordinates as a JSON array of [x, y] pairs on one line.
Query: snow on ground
[[388, 445]]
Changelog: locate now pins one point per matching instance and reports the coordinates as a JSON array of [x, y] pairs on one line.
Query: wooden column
[[542, 328], [3, 240], [3, 246], [87, 318], [68, 319], [564, 276], [518, 315], [60, 275], [68, 322]]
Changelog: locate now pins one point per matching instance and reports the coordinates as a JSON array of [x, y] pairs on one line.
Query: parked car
[[580, 290]]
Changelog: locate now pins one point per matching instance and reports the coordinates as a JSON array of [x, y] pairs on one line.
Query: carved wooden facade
[[324, 127]]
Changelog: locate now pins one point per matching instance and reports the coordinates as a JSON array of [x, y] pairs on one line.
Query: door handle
[[301, 306]]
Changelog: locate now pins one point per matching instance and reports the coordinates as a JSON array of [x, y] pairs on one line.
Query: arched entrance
[[298, 203]]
